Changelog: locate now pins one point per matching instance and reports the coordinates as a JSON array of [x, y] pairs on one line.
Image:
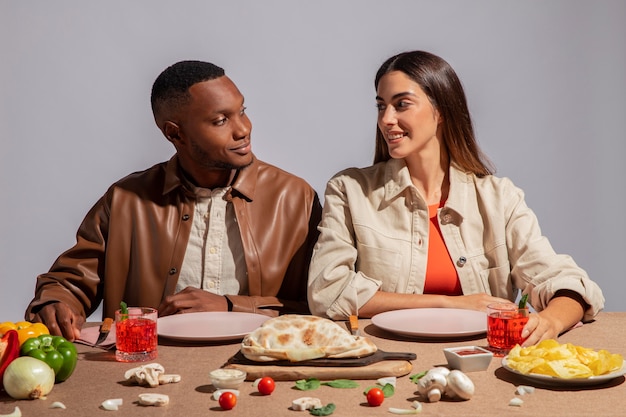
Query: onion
[[28, 378]]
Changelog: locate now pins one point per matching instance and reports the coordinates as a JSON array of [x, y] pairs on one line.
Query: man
[[212, 229]]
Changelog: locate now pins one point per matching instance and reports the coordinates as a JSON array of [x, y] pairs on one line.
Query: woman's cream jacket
[[374, 236]]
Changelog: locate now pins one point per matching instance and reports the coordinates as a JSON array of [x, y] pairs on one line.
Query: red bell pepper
[[9, 350]]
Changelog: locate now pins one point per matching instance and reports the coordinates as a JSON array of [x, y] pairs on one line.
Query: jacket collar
[[397, 179], [243, 184]]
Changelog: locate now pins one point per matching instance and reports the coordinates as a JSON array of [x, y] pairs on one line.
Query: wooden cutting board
[[375, 366]]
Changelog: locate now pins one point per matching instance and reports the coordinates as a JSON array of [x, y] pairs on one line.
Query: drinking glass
[[136, 334], [505, 322]]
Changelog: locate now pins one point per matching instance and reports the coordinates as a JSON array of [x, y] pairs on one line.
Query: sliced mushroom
[[145, 374], [306, 403], [157, 400], [169, 379]]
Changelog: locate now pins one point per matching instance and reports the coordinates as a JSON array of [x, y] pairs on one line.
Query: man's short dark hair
[[171, 88]]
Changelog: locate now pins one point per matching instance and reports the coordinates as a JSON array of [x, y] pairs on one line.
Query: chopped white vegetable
[[112, 404], [417, 408], [387, 380], [57, 404], [217, 393], [16, 413], [524, 389], [516, 402]]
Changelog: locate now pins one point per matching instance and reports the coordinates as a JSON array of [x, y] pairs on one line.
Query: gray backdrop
[[545, 82]]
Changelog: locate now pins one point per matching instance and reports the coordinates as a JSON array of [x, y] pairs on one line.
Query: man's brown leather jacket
[[131, 244]]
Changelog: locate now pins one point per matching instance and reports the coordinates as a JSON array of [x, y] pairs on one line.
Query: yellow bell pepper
[[25, 329]]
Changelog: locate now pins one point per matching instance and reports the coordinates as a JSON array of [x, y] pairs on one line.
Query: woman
[[428, 225]]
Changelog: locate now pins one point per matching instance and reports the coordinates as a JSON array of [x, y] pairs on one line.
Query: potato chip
[[549, 357]]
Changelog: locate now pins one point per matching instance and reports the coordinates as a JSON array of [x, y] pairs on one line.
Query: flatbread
[[296, 338]]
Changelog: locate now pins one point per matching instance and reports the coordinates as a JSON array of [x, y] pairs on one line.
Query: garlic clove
[[58, 404], [516, 402], [157, 400], [112, 404]]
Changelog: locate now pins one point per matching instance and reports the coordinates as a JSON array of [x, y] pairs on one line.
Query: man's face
[[214, 130]]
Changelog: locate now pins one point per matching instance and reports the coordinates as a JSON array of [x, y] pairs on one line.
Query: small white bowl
[[468, 358], [227, 378]]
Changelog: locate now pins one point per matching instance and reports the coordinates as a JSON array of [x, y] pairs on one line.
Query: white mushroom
[[459, 385], [157, 400], [432, 385], [145, 374]]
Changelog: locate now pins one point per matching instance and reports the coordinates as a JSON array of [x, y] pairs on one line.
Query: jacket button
[[185, 217], [461, 261], [173, 271]]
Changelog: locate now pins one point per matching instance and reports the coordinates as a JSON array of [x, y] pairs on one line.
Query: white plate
[[553, 380], [433, 322], [208, 326]]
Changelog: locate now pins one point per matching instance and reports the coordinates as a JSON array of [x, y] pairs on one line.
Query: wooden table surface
[[99, 377]]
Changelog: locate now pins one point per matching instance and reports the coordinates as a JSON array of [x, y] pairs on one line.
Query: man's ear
[[171, 131]]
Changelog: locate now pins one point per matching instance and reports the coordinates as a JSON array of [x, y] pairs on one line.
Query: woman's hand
[[473, 302], [191, 300], [562, 312]]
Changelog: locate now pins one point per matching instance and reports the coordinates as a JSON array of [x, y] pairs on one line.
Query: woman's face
[[406, 117]]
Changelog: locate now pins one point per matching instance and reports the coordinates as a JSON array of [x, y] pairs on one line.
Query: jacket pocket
[[379, 264], [496, 281]]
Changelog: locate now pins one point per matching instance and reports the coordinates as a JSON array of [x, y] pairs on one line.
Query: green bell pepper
[[59, 353]]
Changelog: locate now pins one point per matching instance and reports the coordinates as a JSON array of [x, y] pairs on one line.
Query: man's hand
[[61, 320], [191, 300]]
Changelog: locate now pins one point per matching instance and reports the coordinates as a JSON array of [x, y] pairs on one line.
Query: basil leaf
[[323, 411], [388, 390], [415, 378], [341, 383], [308, 384]]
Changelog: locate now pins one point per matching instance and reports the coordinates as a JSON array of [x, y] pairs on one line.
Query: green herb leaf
[[124, 310], [341, 383], [388, 390], [522, 301], [323, 411], [308, 384], [415, 378]]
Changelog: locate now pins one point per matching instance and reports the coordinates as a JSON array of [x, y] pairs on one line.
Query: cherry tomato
[[375, 397], [228, 400], [266, 385]]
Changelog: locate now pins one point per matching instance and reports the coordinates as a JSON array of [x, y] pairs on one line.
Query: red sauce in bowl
[[466, 352]]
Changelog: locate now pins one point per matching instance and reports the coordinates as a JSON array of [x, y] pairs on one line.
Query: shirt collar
[[243, 183]]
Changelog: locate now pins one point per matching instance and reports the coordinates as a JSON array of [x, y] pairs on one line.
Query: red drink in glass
[[505, 323], [136, 335]]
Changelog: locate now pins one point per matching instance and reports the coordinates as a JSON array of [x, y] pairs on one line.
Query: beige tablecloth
[[99, 377]]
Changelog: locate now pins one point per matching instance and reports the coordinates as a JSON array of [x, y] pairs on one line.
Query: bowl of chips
[[550, 359]]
